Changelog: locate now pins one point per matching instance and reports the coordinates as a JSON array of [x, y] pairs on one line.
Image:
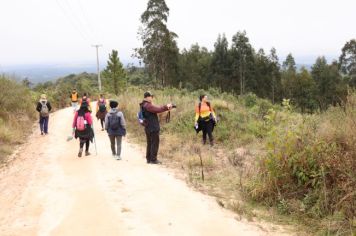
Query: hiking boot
[[87, 153], [80, 152], [118, 158], [156, 162]]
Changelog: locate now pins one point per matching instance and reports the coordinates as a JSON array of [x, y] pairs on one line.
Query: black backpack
[[114, 122]]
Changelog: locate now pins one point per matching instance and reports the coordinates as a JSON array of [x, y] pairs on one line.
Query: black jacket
[[39, 106], [150, 114]]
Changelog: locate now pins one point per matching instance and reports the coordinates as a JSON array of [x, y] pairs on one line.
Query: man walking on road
[[43, 108], [152, 126], [74, 99]]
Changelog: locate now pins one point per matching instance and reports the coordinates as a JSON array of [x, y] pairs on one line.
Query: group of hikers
[[112, 120]]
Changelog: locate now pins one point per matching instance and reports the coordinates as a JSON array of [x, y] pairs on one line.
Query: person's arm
[[155, 109], [213, 112], [107, 121], [196, 114], [74, 120], [38, 108], [88, 118], [122, 120], [49, 106]]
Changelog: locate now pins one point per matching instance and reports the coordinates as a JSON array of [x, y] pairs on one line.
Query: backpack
[[85, 101], [141, 117], [74, 97], [114, 122], [102, 106], [80, 123], [44, 109]]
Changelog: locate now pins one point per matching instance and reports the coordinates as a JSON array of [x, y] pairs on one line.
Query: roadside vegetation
[[17, 114]]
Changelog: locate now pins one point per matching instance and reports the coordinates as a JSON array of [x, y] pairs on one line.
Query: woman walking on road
[[205, 118], [82, 128], [101, 110]]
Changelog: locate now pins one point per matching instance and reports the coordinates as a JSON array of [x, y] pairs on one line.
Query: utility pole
[[97, 63]]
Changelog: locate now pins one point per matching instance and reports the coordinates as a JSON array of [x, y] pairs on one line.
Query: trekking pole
[[96, 151]]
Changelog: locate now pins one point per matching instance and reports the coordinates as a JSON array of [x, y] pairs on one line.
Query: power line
[[75, 26], [75, 16], [87, 19]]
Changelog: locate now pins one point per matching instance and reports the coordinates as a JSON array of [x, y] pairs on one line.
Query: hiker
[[205, 119], [115, 125], [85, 99], [43, 107], [82, 128], [101, 110], [74, 99], [152, 126]]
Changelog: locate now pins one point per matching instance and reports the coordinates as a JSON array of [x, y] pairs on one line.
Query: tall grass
[[309, 169], [17, 113], [304, 165]]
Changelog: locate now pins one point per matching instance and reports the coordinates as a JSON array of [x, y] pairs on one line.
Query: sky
[[63, 31]]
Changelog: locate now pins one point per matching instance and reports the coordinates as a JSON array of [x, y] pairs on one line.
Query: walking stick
[[96, 151]]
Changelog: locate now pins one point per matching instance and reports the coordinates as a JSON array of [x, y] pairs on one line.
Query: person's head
[[113, 104], [203, 98], [148, 96], [43, 97], [85, 94], [101, 95], [74, 90]]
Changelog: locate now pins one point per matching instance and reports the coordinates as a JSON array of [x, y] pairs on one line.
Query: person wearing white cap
[[43, 108]]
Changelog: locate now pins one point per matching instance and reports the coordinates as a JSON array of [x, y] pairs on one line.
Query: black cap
[[113, 104], [147, 94]]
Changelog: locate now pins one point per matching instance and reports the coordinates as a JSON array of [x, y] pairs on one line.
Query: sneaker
[[118, 158], [41, 133], [102, 129], [114, 156], [155, 162], [80, 152], [87, 153]]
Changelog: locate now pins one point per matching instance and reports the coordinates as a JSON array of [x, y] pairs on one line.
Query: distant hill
[[42, 73]]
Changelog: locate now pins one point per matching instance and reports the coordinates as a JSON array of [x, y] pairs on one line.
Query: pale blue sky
[[62, 31]]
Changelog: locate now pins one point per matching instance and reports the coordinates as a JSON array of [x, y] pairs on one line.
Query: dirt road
[[48, 190]]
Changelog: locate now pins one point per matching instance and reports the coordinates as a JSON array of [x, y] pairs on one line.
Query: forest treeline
[[238, 68]]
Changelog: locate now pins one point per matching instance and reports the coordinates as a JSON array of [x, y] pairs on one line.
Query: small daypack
[[114, 122], [141, 118], [102, 106], [80, 123], [44, 109]]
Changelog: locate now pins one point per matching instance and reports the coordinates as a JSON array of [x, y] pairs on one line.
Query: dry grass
[[16, 117]]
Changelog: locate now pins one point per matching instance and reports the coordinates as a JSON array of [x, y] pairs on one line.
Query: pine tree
[[159, 52], [114, 74]]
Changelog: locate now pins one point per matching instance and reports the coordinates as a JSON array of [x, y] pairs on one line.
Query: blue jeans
[[44, 124]]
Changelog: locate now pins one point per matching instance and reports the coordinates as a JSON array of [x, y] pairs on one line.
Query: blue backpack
[[141, 117]]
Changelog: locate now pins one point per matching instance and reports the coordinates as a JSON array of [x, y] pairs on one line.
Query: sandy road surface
[[47, 190]]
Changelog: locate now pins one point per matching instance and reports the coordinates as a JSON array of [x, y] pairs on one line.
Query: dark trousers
[[207, 128], [44, 124], [118, 139], [86, 142], [102, 121], [152, 145]]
